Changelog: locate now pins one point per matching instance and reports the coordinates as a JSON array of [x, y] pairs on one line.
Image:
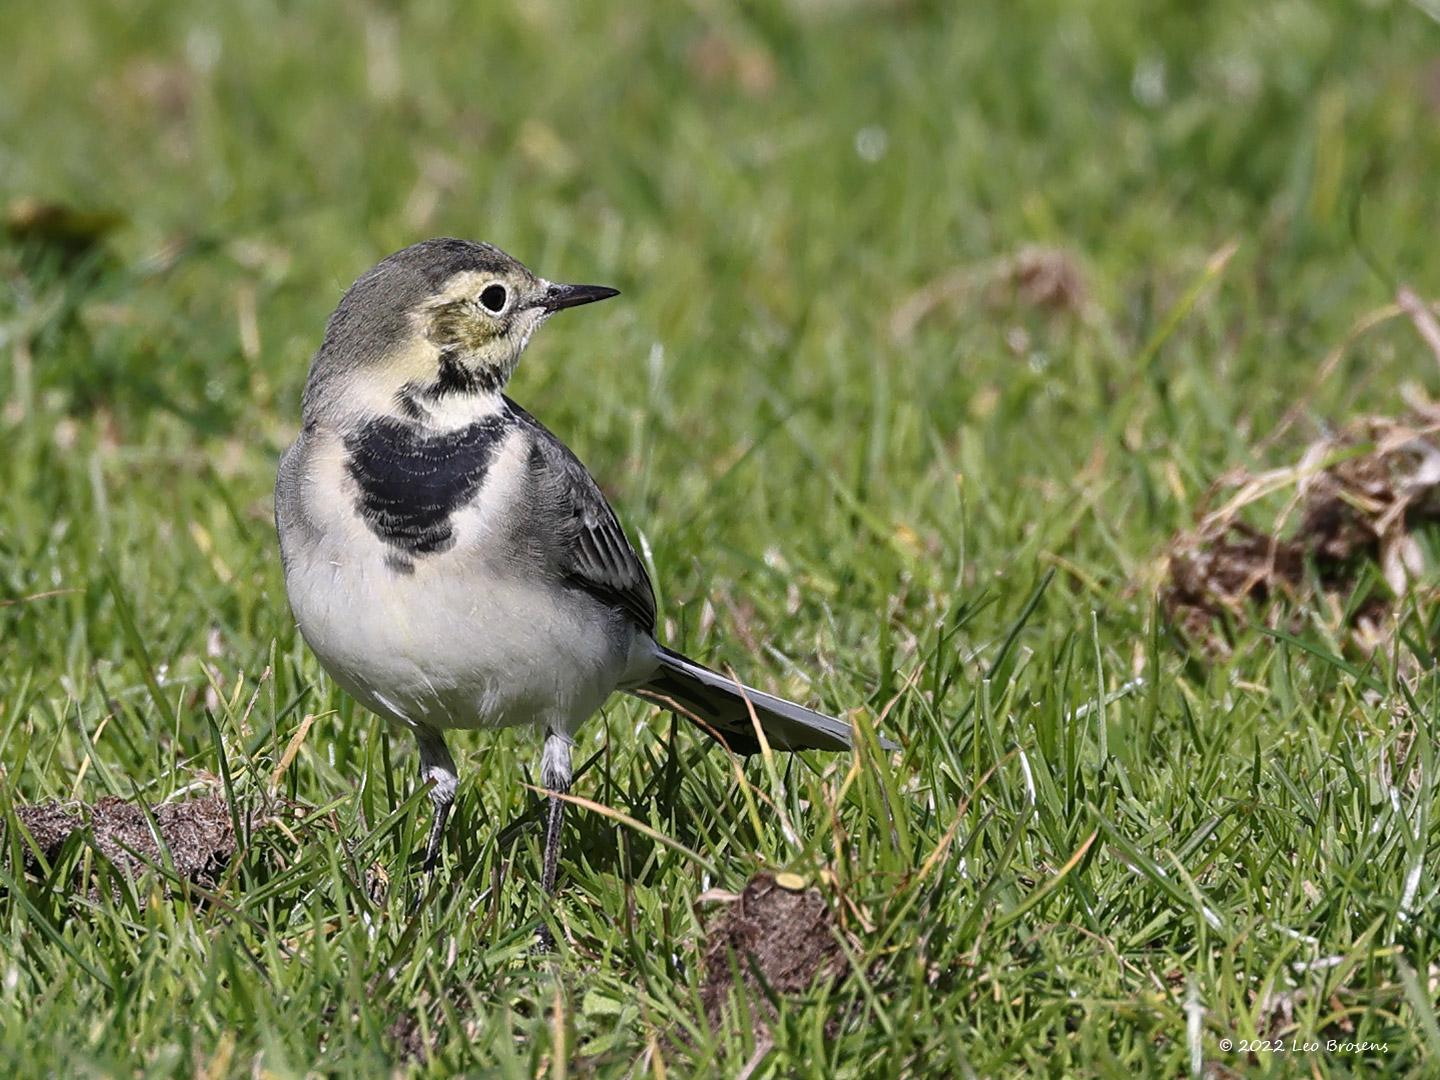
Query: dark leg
[[437, 768], [555, 774], [552, 845]]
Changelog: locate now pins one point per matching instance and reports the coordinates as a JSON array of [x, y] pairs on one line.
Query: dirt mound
[[1050, 280], [778, 940], [1358, 499], [198, 834]]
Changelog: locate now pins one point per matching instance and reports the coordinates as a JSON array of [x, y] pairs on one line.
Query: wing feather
[[590, 546]]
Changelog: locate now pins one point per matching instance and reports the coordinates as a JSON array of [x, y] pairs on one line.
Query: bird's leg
[[555, 774], [437, 768]]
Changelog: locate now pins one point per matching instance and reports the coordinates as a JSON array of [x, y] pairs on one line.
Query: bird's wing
[[593, 551]]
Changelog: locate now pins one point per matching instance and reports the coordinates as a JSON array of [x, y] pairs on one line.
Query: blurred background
[[921, 300]]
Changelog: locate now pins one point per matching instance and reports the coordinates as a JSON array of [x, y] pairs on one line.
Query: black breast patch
[[411, 481]]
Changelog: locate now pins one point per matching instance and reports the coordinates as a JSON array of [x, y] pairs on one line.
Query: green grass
[[1090, 834]]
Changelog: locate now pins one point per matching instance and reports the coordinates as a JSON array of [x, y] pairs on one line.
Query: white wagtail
[[449, 560]]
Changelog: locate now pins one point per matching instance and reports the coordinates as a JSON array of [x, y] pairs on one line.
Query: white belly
[[467, 639], [456, 651]]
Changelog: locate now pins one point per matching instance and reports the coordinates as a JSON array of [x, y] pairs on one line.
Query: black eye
[[493, 297]]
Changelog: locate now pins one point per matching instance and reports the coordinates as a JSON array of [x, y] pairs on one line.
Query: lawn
[[939, 322]]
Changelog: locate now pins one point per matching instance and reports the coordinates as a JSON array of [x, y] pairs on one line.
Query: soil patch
[[1356, 501], [779, 941], [198, 834]]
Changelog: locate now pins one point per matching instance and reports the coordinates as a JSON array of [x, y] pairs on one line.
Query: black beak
[[563, 296]]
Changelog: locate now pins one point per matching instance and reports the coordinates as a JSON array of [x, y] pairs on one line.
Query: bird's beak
[[556, 297]]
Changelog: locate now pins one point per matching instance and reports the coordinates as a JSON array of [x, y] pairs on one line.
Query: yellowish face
[[466, 341], [485, 317], [398, 345], [462, 346]]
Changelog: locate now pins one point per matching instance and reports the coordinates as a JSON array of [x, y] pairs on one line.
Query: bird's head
[[438, 319]]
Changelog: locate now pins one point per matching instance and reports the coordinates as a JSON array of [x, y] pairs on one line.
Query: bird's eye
[[494, 297]]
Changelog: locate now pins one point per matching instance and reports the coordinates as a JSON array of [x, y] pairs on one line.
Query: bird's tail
[[720, 702]]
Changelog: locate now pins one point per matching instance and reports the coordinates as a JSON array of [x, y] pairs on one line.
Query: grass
[[1098, 853]]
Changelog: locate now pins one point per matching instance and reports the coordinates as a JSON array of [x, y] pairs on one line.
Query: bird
[[450, 562]]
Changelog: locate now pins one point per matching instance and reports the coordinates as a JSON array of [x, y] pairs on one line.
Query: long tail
[[720, 702]]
